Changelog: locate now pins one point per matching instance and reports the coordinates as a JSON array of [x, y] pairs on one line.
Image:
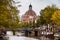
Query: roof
[[31, 13]]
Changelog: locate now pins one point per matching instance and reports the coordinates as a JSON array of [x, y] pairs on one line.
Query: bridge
[[27, 32]]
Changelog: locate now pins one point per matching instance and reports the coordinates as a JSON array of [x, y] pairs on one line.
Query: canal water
[[11, 37], [20, 38], [16, 37]]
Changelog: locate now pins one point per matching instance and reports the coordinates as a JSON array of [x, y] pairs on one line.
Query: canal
[[19, 37]]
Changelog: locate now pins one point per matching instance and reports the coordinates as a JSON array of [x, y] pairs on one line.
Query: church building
[[30, 15]]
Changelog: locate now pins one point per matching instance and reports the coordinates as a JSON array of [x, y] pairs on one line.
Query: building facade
[[29, 16]]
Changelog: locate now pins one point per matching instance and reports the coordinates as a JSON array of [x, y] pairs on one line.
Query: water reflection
[[45, 38], [27, 38], [4, 38], [11, 37]]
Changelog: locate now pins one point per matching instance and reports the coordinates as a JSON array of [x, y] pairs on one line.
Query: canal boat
[[46, 33]]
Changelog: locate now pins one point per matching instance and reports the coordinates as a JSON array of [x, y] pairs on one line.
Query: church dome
[[31, 13]]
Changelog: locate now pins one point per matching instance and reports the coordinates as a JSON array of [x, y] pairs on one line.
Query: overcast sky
[[36, 4]]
